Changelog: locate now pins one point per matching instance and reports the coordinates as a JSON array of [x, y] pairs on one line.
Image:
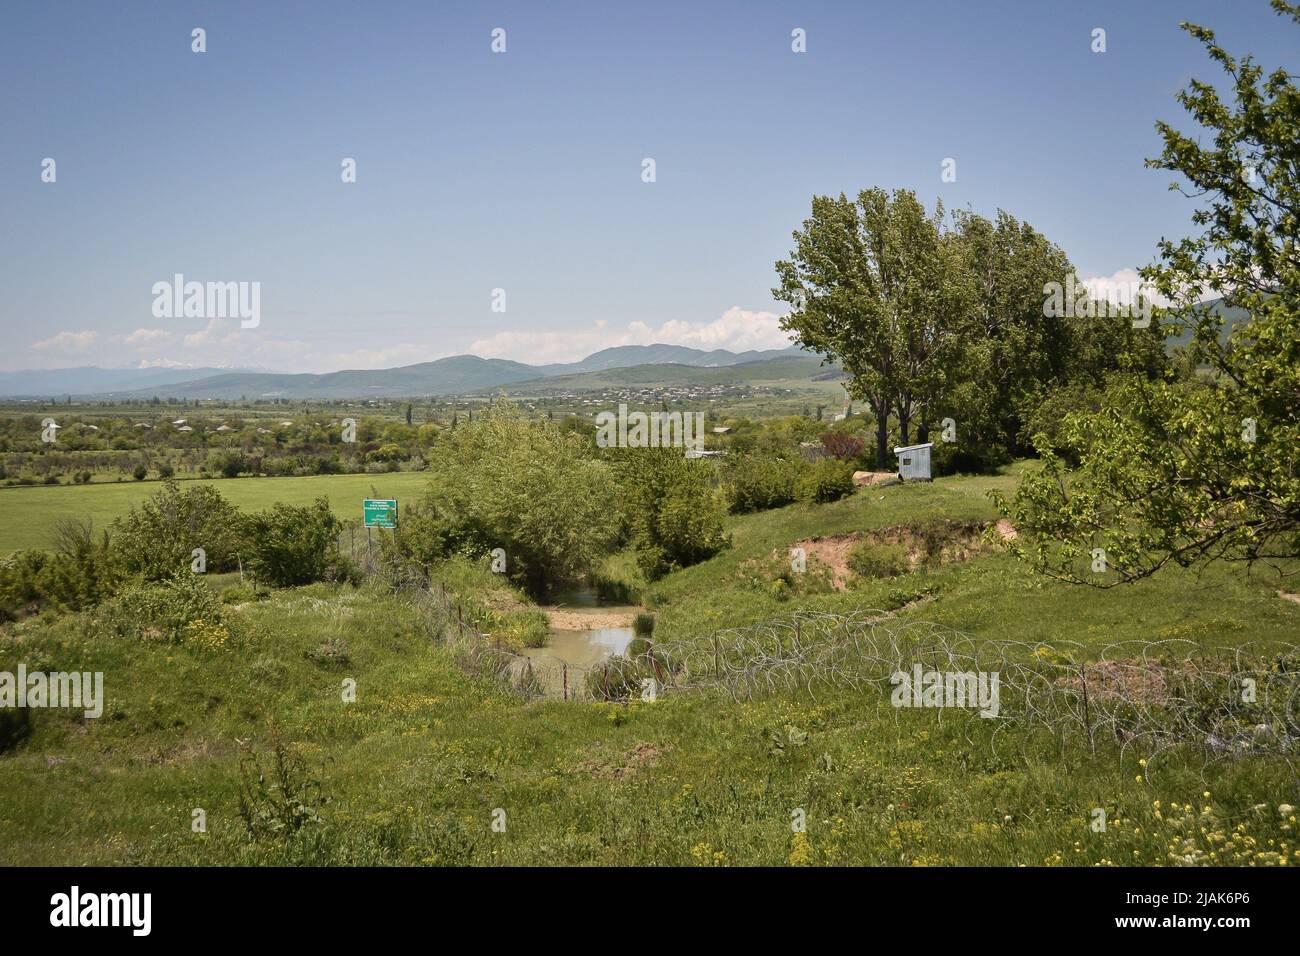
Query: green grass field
[[416, 770], [28, 514]]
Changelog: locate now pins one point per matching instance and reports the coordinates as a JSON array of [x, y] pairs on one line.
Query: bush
[[672, 514], [140, 473], [292, 546], [228, 464], [80, 573], [873, 559], [843, 446], [240, 594], [526, 628], [526, 487], [165, 611], [156, 540], [826, 481], [758, 482]]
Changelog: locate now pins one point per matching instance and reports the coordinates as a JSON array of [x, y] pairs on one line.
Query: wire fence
[[1145, 695]]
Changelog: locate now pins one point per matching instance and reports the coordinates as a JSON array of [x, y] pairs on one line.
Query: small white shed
[[914, 462]]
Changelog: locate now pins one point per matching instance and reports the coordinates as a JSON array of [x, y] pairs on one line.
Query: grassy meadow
[[429, 757], [28, 513]]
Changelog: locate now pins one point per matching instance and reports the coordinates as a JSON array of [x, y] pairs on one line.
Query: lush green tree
[[1190, 471], [528, 488], [673, 513], [871, 284]]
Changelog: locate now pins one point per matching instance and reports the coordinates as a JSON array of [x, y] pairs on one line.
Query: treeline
[[938, 316], [210, 447]]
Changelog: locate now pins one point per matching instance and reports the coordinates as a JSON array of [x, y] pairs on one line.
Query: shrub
[[826, 481], [277, 802], [164, 611], [140, 473], [80, 573], [672, 514], [526, 628], [873, 559], [758, 482], [292, 546], [843, 446], [526, 487], [239, 594], [228, 464], [157, 539]]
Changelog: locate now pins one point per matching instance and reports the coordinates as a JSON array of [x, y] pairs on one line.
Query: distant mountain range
[[44, 383], [457, 374]]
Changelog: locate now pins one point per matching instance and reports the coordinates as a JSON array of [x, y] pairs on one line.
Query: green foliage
[[756, 482], [290, 546], [673, 514], [825, 481], [82, 571], [524, 628], [871, 558], [278, 801], [162, 611], [228, 464], [617, 679], [935, 319], [329, 653], [240, 594], [528, 488], [156, 539]]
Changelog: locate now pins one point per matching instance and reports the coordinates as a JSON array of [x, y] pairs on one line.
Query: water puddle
[[585, 631], [584, 648]]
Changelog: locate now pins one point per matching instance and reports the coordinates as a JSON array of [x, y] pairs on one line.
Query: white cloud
[[146, 338], [737, 329], [1121, 288], [67, 343]]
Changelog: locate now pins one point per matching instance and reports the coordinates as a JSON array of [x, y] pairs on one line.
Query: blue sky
[[522, 170]]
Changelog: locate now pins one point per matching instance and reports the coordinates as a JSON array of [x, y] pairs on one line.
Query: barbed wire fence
[[1148, 696]]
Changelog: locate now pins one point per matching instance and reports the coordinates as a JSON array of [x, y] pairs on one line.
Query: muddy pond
[[584, 630]]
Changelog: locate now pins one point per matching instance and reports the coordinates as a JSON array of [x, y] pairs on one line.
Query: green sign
[[380, 512]]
